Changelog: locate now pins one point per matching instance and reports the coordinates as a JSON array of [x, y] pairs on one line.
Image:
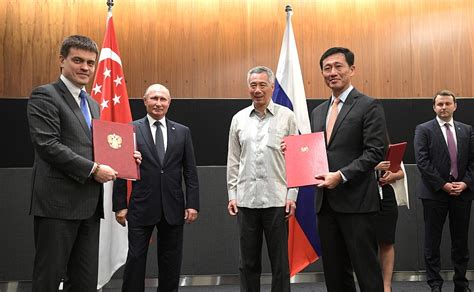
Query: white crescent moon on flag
[[107, 53]]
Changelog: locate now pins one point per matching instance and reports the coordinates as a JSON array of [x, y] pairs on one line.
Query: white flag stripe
[[291, 81], [113, 247]]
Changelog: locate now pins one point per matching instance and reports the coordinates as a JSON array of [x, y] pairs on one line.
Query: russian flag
[[303, 241]]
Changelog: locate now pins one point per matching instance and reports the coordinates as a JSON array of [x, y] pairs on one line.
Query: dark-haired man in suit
[[444, 152], [157, 199], [348, 199], [67, 195]]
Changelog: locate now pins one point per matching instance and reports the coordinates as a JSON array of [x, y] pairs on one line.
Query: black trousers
[[68, 250], [348, 242], [435, 213], [170, 252], [253, 223]]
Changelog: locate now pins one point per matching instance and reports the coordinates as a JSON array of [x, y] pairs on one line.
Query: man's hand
[[330, 179], [104, 173], [457, 188], [232, 207], [290, 208], [387, 178], [454, 188], [383, 165], [190, 215], [138, 157], [121, 216]]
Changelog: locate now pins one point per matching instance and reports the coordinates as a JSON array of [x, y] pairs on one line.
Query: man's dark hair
[[338, 50], [78, 42], [444, 92]]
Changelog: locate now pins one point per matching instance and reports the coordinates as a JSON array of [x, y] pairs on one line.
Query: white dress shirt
[[451, 127]]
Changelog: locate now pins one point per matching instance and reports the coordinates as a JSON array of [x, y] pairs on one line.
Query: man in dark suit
[[444, 152], [66, 196], [157, 199], [348, 199]]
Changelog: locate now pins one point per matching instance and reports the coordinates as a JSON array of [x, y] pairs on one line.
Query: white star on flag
[[97, 88], [118, 80], [106, 73], [104, 104], [116, 99]]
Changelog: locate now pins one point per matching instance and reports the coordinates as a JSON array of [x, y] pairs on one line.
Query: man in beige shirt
[[256, 182]]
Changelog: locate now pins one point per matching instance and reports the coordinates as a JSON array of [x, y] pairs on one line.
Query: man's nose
[[84, 66]]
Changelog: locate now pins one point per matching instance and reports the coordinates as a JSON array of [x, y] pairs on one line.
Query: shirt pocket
[[275, 137]]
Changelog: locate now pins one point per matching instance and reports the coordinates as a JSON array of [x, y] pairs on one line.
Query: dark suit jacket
[[62, 187], [432, 159], [356, 146], [159, 191]]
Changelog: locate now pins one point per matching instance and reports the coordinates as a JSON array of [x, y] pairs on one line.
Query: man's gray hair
[[261, 69]]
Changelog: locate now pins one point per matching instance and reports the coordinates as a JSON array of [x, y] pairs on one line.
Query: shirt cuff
[[232, 195], [344, 179], [292, 194]]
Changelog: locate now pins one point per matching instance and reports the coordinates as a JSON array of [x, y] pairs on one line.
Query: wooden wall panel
[[203, 48]]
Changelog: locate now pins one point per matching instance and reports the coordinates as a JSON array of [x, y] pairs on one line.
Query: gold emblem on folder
[[304, 149], [114, 140]]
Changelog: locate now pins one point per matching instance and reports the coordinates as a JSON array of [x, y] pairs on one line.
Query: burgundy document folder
[[305, 157], [114, 144], [395, 155]]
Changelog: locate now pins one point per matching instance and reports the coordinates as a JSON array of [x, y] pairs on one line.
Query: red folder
[[114, 144], [395, 155], [305, 157]]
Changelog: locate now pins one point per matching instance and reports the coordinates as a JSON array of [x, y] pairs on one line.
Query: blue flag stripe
[[305, 213]]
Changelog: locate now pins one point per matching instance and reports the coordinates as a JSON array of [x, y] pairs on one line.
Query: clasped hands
[[454, 188]]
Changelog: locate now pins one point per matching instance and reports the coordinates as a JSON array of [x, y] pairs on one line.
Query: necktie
[[332, 118], [84, 109], [452, 151], [159, 143]]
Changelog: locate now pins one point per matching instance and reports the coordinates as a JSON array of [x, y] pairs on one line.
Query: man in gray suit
[[66, 198], [444, 153], [348, 199]]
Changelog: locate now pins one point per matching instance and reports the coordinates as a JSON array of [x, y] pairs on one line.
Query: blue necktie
[[84, 109]]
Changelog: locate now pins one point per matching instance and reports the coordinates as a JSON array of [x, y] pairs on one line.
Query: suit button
[[162, 171]]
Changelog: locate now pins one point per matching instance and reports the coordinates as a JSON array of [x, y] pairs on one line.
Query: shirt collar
[[441, 122], [73, 89], [152, 120], [343, 95], [270, 108]]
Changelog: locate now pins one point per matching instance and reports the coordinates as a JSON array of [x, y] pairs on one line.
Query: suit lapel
[[439, 136], [171, 133], [346, 108], [95, 112], [323, 118], [459, 137], [145, 131], [66, 94]]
